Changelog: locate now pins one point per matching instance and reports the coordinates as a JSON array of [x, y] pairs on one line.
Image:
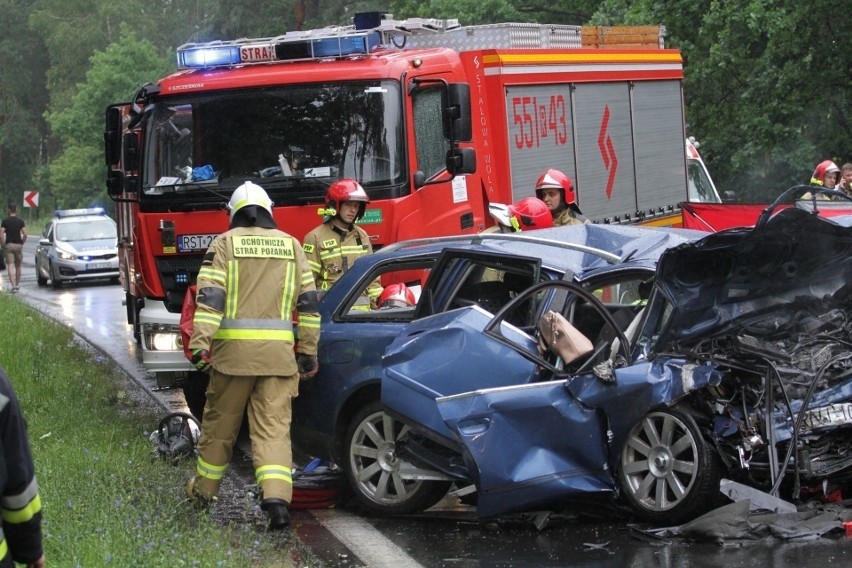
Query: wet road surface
[[448, 535]]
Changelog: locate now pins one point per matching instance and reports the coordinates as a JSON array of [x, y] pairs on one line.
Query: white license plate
[[191, 243], [828, 416], [97, 265]]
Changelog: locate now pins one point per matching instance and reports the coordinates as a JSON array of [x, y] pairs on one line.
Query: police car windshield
[[301, 132], [85, 230]]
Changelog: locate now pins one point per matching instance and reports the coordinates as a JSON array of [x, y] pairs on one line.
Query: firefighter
[[252, 279], [338, 242], [20, 504], [556, 190], [528, 214], [396, 296], [826, 174]]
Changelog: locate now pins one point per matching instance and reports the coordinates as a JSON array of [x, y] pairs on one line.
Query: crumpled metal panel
[[728, 274]]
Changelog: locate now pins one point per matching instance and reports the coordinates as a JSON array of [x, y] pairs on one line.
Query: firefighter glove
[[201, 360], [308, 365]]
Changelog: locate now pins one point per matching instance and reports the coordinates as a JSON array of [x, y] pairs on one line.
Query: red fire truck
[[434, 119]]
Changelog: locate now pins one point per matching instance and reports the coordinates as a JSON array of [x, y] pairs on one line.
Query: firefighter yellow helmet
[[249, 194]]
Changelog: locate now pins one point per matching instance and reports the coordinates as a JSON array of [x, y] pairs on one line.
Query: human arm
[[307, 306], [210, 303], [20, 501]]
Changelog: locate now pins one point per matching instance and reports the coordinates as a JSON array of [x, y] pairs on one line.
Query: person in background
[[557, 191], [396, 296], [334, 246], [20, 502], [826, 174], [527, 214], [252, 280], [13, 235], [845, 184]]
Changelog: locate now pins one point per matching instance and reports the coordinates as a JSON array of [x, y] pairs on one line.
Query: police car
[[77, 245]]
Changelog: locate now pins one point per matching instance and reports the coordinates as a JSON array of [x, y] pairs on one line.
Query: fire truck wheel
[[381, 482], [134, 306]]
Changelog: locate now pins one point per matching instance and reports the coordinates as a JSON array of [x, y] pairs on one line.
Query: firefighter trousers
[[268, 401]]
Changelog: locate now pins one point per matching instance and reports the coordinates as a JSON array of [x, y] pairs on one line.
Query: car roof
[[580, 249]]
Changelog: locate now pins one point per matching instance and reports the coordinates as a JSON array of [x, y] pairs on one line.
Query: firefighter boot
[[198, 500], [276, 510]]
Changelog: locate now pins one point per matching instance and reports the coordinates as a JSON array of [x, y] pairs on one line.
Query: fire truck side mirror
[[112, 135], [461, 161], [131, 152], [458, 111], [115, 183]]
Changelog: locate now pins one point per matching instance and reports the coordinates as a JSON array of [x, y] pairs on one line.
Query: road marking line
[[374, 549]]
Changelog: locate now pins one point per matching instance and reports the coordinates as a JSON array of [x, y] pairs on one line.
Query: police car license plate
[[828, 416], [192, 243], [97, 265]]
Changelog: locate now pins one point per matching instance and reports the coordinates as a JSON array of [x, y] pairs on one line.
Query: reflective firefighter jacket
[[569, 217], [251, 281], [331, 251], [20, 503]]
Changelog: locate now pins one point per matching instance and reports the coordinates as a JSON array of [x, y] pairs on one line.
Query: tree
[[22, 100], [77, 174], [767, 86]]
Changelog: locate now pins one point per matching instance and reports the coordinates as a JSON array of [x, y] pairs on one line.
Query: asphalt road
[[448, 535]]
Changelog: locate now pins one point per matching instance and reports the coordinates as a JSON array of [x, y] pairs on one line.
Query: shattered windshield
[[285, 136]]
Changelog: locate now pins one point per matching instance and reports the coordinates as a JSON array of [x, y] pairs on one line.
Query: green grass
[[107, 501]]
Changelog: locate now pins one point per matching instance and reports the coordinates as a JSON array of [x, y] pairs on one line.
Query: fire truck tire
[[133, 308], [195, 392], [373, 469]]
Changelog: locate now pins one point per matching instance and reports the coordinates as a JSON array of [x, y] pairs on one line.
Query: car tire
[[53, 281], [668, 472], [40, 280], [373, 470]]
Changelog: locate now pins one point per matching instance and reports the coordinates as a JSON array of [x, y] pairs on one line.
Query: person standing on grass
[[20, 504], [13, 235], [252, 280]]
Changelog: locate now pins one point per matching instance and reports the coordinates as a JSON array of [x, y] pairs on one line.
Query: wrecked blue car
[[736, 364], [338, 415]]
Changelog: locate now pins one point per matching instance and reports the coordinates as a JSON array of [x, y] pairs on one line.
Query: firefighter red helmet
[[824, 167], [346, 189], [530, 213], [554, 179], [396, 296]]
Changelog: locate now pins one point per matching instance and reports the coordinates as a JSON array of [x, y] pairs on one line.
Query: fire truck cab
[[435, 120]]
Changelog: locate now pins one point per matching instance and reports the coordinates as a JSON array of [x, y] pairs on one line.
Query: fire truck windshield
[[294, 140]]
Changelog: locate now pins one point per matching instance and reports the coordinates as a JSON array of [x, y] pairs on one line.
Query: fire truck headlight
[[162, 337]]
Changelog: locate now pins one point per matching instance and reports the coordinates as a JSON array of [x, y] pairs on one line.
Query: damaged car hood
[[715, 280]]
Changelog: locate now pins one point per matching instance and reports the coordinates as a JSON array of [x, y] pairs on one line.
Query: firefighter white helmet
[[248, 194]]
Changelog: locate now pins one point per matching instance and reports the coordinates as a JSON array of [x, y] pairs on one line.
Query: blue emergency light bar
[[60, 213], [293, 46]]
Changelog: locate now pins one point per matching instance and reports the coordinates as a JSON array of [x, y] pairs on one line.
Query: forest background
[[767, 85]]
